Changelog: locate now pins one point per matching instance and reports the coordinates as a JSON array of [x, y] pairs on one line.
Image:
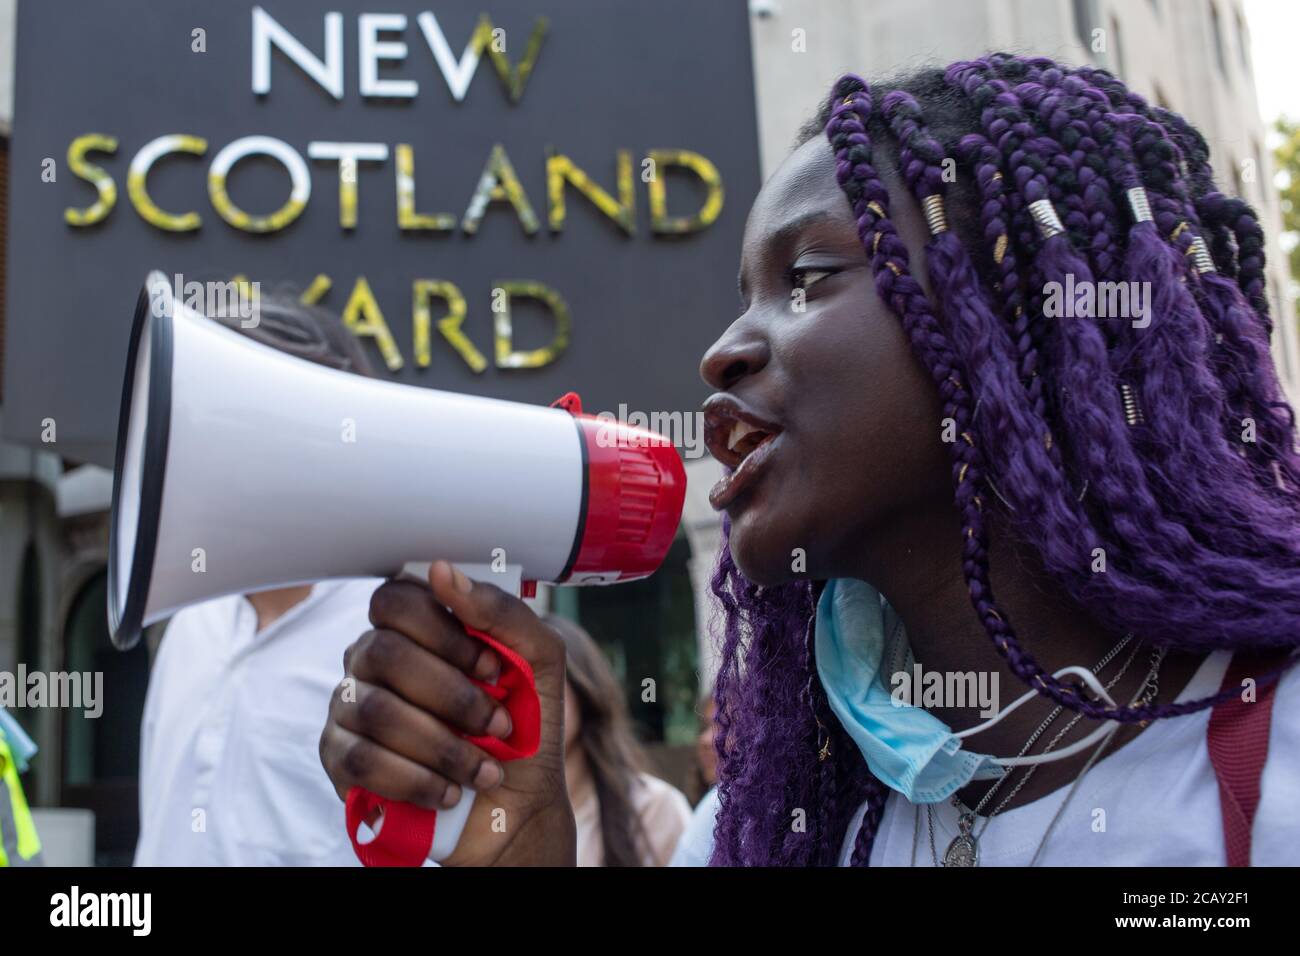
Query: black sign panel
[[514, 198]]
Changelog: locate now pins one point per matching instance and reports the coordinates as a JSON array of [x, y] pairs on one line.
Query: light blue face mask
[[859, 643]]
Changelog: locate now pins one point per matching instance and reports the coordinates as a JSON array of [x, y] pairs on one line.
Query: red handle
[[406, 836]]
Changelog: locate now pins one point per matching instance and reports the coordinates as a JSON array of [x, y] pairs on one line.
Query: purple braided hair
[[1202, 535]]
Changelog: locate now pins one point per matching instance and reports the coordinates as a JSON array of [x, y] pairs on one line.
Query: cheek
[[867, 424]]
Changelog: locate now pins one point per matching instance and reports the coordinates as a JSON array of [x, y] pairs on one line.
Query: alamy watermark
[[957, 689], [1098, 300], [216, 300], [76, 690], [684, 430]]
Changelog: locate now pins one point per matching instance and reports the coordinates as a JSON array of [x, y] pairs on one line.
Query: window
[[647, 630], [1216, 34], [101, 756], [1085, 19], [29, 610], [1243, 41], [1116, 49], [29, 647], [1261, 175]]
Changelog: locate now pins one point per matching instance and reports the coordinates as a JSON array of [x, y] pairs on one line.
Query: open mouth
[[741, 440]]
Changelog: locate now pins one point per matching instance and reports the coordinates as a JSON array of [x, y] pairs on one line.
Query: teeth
[[739, 431]]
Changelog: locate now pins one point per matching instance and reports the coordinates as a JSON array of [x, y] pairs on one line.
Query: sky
[[1275, 50]]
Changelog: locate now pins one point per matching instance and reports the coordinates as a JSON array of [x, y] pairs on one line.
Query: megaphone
[[240, 468]]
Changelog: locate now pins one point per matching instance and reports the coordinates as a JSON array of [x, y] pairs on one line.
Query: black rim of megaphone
[[125, 622]]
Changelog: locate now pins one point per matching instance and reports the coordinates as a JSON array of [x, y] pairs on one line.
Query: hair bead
[[935, 217], [1132, 410], [1141, 206], [1045, 217], [1201, 256], [1000, 249]]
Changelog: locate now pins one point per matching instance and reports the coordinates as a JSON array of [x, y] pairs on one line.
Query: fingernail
[[500, 724], [487, 668], [458, 578], [451, 796], [489, 775]]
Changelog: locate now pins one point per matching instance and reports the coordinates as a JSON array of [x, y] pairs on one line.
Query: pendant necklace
[[963, 851]]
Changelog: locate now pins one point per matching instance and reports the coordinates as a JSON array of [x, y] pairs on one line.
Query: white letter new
[[457, 75], [372, 50], [328, 73]]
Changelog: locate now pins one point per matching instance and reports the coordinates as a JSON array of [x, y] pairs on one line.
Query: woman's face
[[830, 425]]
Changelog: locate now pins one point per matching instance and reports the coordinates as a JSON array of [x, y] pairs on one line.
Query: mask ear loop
[[1106, 727]]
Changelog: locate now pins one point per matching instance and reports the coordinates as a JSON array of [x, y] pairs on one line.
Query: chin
[[758, 552]]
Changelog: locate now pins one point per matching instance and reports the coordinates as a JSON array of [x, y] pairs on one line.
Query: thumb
[[487, 608]]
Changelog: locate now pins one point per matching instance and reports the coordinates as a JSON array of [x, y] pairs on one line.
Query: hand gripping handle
[[404, 832]]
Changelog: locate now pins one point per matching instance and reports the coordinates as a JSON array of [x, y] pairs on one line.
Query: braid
[[1238, 316], [1179, 388], [1200, 531], [847, 131], [919, 156]]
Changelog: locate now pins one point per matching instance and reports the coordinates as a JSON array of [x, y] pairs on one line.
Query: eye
[[805, 277]]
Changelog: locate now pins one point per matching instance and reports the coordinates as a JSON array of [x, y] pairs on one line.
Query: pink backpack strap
[[1238, 743]]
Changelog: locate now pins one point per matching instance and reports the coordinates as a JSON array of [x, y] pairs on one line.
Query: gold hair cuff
[[1137, 201], [935, 217], [1201, 256], [1045, 217]]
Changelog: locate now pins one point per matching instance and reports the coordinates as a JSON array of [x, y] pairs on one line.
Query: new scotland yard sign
[[510, 198]]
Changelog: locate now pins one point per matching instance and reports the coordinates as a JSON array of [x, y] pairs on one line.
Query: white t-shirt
[[662, 808], [230, 772], [1153, 802], [696, 844]]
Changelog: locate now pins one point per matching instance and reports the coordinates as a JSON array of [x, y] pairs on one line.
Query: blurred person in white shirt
[[624, 815], [229, 767]]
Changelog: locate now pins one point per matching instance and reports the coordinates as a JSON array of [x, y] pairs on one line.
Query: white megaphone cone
[[240, 468]]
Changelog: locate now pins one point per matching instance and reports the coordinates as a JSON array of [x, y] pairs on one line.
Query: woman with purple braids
[[1012, 572]]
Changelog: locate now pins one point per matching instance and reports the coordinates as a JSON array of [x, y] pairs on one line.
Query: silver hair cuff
[[1201, 256], [1132, 410], [1137, 201], [1044, 213], [935, 217]]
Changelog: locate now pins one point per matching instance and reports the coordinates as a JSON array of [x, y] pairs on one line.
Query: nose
[[741, 351]]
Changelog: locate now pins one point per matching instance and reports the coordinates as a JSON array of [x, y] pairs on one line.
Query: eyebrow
[[784, 234], [789, 230]]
